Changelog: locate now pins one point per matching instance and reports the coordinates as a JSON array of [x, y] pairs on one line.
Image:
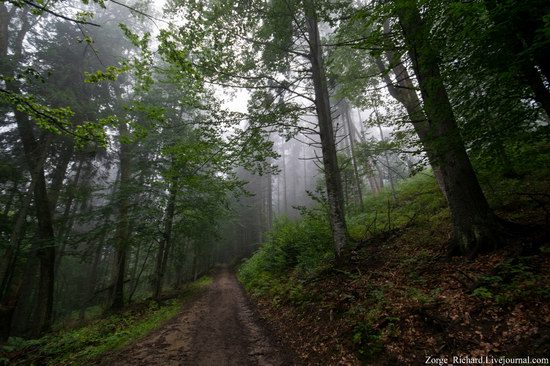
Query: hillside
[[397, 297]]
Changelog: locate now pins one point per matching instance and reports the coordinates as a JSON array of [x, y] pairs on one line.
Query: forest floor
[[397, 298], [398, 305], [217, 328]]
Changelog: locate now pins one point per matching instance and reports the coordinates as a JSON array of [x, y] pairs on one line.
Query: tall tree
[[326, 131], [475, 226], [283, 56], [122, 235]]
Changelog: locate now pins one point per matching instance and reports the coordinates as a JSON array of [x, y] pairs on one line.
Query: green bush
[[301, 247], [295, 250], [367, 340]]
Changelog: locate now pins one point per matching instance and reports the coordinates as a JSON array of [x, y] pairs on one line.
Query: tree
[[34, 151], [521, 30], [326, 132], [279, 63], [475, 226]]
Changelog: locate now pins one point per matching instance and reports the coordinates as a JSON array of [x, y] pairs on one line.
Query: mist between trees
[[124, 175]]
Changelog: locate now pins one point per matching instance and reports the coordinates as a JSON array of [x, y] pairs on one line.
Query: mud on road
[[218, 328]]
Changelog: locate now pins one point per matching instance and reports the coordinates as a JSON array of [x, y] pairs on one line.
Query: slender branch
[[152, 18], [46, 10]]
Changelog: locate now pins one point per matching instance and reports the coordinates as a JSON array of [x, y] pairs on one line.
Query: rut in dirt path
[[219, 328]]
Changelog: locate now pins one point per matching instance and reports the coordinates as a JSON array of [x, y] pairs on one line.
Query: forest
[[274, 182]]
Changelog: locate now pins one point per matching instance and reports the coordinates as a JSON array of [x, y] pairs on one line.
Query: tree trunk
[[405, 94], [45, 233], [180, 262], [386, 157], [11, 199], [123, 227], [322, 105], [11, 287], [65, 224], [164, 247], [91, 282], [195, 266], [518, 31], [33, 155], [351, 136], [380, 177], [60, 172], [141, 270], [541, 93], [4, 32], [10, 255], [269, 203], [475, 225], [285, 193]]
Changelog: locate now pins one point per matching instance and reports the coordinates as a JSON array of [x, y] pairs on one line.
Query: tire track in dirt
[[217, 329]]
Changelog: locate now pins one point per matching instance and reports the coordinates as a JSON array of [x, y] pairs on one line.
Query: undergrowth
[[397, 295], [301, 246], [84, 344], [417, 200], [295, 251]]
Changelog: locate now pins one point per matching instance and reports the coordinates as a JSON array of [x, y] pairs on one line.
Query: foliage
[[367, 340], [418, 200], [301, 247], [397, 295], [512, 281]]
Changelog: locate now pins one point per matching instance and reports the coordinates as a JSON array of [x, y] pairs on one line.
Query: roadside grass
[[87, 343]]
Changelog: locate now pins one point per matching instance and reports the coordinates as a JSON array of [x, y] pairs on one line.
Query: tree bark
[[4, 32], [164, 247], [60, 172], [351, 136], [269, 201], [322, 105], [386, 156], [405, 94], [66, 223], [285, 193], [11, 288], [475, 225], [541, 93], [91, 282], [179, 264], [33, 154], [123, 227], [46, 250]]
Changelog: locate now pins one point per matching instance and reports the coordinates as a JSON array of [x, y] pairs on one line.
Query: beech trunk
[[475, 226], [322, 105]]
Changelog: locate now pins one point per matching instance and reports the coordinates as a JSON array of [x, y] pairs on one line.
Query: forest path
[[218, 328]]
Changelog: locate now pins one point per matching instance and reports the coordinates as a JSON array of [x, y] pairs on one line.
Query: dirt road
[[219, 328]]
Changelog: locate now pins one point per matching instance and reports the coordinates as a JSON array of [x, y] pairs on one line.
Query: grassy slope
[[85, 344], [399, 298]]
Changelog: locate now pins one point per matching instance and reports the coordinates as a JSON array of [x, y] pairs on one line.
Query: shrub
[[301, 247]]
